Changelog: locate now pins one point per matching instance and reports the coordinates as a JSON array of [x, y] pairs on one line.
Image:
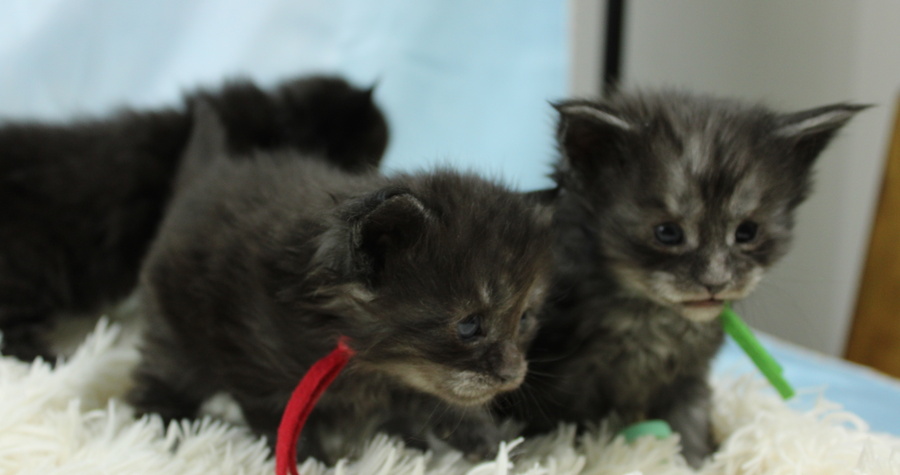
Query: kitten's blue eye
[[746, 232], [669, 234], [469, 328]]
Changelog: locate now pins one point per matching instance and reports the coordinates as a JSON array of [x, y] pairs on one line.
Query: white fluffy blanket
[[70, 420]]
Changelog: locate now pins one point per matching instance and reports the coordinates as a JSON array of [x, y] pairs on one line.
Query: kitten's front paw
[[153, 395], [477, 441], [695, 451]]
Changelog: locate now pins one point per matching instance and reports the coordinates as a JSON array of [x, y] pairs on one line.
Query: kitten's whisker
[[554, 358], [548, 382], [545, 374], [526, 393], [437, 412]]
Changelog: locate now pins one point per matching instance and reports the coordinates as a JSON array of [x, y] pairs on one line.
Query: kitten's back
[[84, 199]]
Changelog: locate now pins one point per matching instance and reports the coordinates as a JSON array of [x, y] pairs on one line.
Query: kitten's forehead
[[697, 154], [747, 194], [691, 197], [516, 290], [485, 247], [708, 167], [506, 290]]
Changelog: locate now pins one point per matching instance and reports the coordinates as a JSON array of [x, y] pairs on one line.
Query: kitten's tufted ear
[[390, 221], [586, 131], [809, 132]]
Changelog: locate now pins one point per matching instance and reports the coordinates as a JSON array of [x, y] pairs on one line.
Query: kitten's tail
[[207, 145]]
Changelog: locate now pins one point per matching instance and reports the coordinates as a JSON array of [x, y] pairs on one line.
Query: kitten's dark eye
[[469, 328], [745, 232], [523, 321], [669, 234]]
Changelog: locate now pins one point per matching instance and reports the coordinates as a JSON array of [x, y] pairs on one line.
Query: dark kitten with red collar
[[261, 264], [82, 200], [668, 204]]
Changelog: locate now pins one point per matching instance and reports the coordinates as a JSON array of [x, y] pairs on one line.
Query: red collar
[[304, 398]]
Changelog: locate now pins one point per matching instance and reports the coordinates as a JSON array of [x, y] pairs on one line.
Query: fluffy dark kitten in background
[[668, 204], [82, 200], [260, 265]]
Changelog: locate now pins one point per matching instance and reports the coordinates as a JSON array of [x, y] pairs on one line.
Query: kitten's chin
[[701, 311], [467, 400]]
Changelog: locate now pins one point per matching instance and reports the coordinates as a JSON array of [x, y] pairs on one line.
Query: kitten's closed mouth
[[703, 303], [702, 310]]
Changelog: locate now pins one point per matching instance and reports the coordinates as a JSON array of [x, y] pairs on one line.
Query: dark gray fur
[[616, 337], [82, 200], [261, 264]]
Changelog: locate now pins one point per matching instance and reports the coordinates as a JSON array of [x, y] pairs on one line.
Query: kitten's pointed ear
[[390, 221], [586, 130], [809, 132], [208, 142], [369, 92], [208, 135]]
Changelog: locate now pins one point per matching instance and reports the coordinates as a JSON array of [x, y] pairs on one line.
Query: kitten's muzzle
[[471, 388], [505, 372]]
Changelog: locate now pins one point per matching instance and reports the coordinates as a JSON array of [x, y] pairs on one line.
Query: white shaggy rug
[[70, 420]]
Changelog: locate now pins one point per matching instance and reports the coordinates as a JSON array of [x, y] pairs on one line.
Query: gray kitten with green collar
[[667, 204]]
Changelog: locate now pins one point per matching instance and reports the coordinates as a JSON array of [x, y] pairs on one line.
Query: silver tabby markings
[[668, 204]]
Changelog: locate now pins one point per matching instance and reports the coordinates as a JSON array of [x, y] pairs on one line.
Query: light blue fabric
[[869, 394], [464, 82]]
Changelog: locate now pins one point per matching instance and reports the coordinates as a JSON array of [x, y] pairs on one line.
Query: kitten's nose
[[715, 273], [512, 371], [510, 365], [714, 288]]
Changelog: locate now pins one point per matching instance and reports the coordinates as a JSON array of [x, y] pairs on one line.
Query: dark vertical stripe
[[612, 58]]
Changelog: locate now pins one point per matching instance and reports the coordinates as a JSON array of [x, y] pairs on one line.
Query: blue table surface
[[873, 396]]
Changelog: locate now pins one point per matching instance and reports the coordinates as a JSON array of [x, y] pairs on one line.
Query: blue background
[[463, 82]]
